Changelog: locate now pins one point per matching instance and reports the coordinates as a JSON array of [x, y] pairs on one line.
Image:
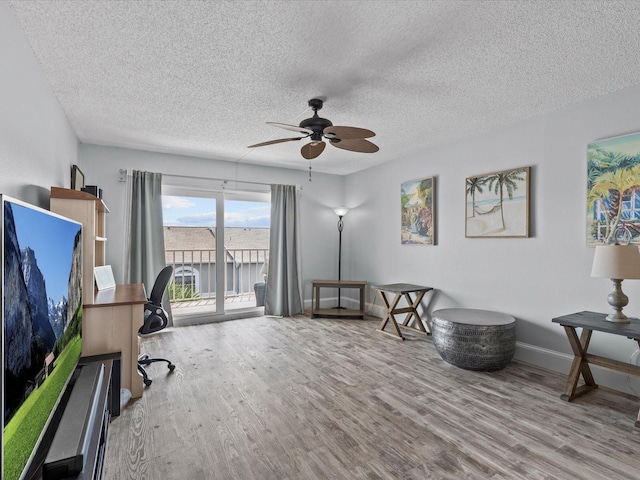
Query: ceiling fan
[[317, 128]]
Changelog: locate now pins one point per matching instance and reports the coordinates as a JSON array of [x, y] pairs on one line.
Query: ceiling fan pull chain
[[309, 171]]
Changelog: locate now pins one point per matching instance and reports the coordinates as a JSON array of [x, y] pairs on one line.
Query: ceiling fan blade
[[312, 150], [293, 128], [348, 133], [271, 142], [356, 145]]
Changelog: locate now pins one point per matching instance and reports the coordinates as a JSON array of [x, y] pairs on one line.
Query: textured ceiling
[[202, 78]]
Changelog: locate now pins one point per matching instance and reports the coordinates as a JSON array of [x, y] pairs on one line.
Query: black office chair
[[155, 319]]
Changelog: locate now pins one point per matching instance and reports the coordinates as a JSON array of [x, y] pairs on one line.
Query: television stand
[[106, 404]]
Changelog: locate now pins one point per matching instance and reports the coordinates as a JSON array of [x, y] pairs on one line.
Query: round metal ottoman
[[474, 339]]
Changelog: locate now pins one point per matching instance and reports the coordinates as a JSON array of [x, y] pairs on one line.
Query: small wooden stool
[[402, 290]]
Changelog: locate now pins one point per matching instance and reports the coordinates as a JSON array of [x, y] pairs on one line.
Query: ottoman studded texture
[[474, 339]]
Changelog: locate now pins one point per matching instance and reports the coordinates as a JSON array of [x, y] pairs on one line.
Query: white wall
[[534, 279], [37, 144], [101, 167]]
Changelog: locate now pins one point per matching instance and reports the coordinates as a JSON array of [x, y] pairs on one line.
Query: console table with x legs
[[590, 321]]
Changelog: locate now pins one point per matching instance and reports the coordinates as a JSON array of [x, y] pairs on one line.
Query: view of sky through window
[[201, 212]]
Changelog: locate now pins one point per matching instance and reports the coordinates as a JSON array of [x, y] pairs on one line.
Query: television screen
[[42, 323]]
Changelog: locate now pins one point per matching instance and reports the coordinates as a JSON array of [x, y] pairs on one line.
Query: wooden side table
[[316, 311], [590, 321], [399, 290]]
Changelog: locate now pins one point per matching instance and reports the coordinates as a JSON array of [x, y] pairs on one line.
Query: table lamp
[[617, 262]]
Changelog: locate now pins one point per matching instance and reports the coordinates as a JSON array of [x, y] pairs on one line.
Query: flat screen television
[[41, 325]]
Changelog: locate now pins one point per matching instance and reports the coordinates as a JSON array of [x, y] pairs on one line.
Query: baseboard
[[542, 357], [375, 310], [561, 363]]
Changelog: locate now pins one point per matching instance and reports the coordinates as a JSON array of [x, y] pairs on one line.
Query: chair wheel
[[147, 381], [171, 367]]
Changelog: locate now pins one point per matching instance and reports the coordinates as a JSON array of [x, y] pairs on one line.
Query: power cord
[[634, 360], [372, 306]]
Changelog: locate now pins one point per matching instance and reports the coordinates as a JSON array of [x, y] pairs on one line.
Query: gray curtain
[[284, 286], [146, 249]]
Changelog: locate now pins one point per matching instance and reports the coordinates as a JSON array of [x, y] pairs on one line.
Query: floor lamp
[[341, 212]]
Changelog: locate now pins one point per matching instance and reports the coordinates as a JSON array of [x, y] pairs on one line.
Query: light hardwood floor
[[297, 398]]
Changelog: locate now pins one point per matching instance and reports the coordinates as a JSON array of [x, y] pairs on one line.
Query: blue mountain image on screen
[[34, 323]]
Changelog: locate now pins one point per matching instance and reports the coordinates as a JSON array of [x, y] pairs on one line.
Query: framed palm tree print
[[417, 211], [497, 204], [613, 191]]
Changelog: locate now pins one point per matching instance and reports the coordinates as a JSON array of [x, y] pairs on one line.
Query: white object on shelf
[[104, 277]]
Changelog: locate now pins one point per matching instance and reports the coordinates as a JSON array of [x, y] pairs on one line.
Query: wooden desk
[[400, 290], [590, 321], [316, 311], [111, 323]]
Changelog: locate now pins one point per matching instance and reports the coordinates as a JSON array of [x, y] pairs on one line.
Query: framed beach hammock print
[[613, 191], [497, 204], [417, 211]]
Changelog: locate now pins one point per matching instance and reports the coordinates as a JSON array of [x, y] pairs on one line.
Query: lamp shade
[[616, 261], [341, 211]]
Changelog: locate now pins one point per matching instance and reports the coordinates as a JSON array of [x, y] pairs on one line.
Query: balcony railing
[[194, 275]]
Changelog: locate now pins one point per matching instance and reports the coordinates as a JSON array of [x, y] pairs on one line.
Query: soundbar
[[68, 450]]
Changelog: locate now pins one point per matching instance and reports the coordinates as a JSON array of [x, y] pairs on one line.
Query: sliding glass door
[[215, 274], [246, 246]]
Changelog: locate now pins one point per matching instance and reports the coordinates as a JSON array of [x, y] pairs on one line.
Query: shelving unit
[[316, 311], [111, 317], [89, 210]]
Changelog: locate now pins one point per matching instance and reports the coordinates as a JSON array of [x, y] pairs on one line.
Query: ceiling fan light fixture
[[316, 128]]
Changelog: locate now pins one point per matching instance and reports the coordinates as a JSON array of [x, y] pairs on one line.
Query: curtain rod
[[123, 172], [216, 179]]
